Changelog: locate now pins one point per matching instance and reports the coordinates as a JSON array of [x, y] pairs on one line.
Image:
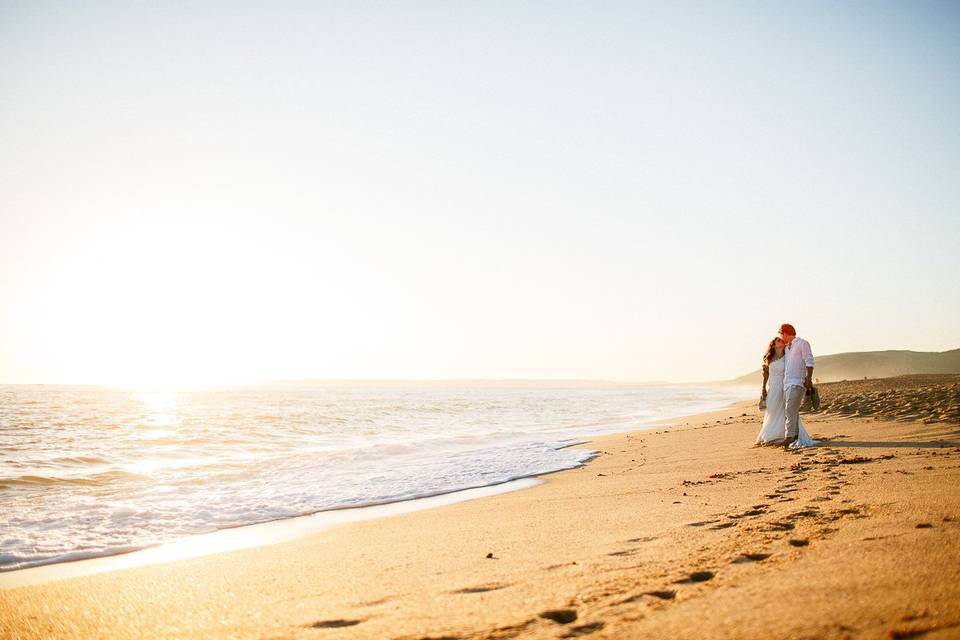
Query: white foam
[[232, 539], [102, 482]]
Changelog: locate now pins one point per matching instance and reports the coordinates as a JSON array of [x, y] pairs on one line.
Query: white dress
[[774, 428]]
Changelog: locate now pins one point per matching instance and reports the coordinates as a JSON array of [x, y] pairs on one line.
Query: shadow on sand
[[936, 444]]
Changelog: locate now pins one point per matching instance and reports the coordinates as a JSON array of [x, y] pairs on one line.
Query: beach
[[681, 531], [451, 321]]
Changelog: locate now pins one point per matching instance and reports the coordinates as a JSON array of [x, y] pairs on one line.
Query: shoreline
[[249, 536], [286, 529], [664, 531]]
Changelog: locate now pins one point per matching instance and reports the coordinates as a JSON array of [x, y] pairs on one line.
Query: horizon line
[[517, 381], [370, 381]]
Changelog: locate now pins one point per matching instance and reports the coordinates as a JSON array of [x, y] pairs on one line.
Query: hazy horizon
[[433, 382], [220, 194]]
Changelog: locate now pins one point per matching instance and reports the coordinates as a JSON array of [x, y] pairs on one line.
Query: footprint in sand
[[665, 594], [647, 539], [332, 624], [662, 594], [751, 557], [482, 588], [702, 523], [695, 577], [560, 616], [373, 603], [583, 629]]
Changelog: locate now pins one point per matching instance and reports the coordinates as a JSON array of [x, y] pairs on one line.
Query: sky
[[220, 192]]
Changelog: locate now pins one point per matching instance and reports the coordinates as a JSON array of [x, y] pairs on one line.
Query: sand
[[680, 532], [929, 398]]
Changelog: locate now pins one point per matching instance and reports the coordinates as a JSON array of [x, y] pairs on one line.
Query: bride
[[774, 419]]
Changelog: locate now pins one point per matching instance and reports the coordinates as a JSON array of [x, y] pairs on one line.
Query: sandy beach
[[679, 532], [450, 321]]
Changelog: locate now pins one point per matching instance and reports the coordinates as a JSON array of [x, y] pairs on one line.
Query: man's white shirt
[[797, 357]]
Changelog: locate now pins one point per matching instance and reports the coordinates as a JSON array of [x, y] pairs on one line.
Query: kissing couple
[[788, 366]]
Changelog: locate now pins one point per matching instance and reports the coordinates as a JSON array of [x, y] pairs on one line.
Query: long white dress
[[774, 428]]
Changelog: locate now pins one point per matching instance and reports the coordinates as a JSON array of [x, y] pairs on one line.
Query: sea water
[[93, 471]]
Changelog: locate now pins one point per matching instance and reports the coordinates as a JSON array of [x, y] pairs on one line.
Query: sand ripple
[[929, 398]]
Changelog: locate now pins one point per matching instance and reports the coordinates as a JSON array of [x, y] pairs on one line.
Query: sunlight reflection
[[160, 407]]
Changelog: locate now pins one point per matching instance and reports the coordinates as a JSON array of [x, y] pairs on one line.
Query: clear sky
[[219, 192]]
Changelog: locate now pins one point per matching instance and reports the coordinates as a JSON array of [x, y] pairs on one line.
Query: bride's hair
[[771, 350]]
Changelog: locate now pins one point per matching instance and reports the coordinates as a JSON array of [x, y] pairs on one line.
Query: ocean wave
[[236, 457], [79, 460], [98, 479]]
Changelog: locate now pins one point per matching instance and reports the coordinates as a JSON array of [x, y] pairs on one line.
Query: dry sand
[[687, 532], [930, 398]]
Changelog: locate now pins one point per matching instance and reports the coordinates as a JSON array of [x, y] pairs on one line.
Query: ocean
[[94, 471]]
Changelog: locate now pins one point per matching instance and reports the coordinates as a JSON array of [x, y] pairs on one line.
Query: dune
[[874, 364]]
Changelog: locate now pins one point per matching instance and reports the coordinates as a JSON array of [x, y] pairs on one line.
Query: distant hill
[[874, 364]]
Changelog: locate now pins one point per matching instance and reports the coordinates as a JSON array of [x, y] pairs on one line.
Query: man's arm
[[808, 361]]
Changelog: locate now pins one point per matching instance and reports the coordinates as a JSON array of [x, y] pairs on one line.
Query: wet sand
[[680, 532]]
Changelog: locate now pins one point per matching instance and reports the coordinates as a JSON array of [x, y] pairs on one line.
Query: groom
[[797, 377]]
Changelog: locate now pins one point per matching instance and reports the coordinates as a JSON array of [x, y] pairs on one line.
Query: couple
[[788, 365]]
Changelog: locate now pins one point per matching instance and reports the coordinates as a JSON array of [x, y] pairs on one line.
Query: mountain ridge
[[854, 365]]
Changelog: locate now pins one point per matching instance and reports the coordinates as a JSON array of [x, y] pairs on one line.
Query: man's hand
[[808, 383]]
